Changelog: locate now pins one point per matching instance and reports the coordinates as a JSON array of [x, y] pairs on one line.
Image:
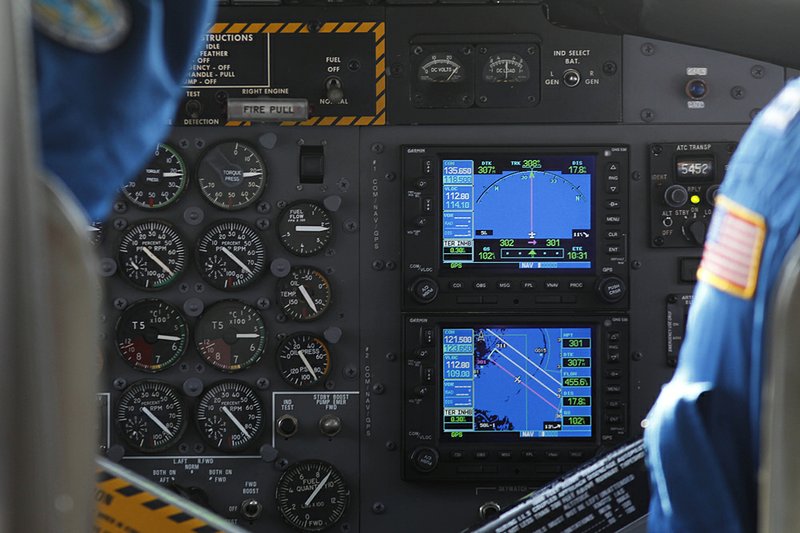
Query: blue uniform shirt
[[702, 435], [102, 111]]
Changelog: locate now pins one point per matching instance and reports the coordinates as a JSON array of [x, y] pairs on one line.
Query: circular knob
[[711, 194], [612, 289], [286, 425], [425, 290], [695, 232], [571, 77], [676, 195], [696, 89], [330, 425], [420, 391], [425, 459]]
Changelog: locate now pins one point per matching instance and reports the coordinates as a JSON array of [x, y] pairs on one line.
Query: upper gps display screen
[[518, 212]]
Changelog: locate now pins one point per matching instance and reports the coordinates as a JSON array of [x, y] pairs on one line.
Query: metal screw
[[353, 65], [120, 224], [636, 175], [330, 384], [737, 92], [199, 143], [350, 372], [282, 464], [672, 298], [637, 356], [199, 368], [391, 445], [281, 204], [465, 98], [531, 99], [648, 49], [108, 267], [636, 264], [263, 303], [757, 72], [648, 115], [119, 383], [221, 97], [656, 149], [280, 317], [396, 69], [531, 50], [658, 241], [262, 224], [184, 367], [391, 265], [391, 356], [183, 447], [263, 207], [120, 303], [314, 26], [378, 265], [377, 148], [350, 226], [466, 50], [390, 176], [199, 287], [483, 99], [183, 143], [482, 50], [417, 50], [198, 448], [418, 98], [378, 508], [183, 288], [379, 388], [120, 207], [262, 383], [609, 68]]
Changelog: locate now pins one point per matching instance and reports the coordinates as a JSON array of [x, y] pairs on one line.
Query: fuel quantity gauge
[[151, 335], [231, 335], [151, 416], [312, 495], [230, 416]]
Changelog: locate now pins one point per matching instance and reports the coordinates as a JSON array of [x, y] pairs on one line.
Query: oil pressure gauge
[[230, 416], [303, 360], [152, 255], [304, 294], [160, 183], [231, 335], [312, 495], [151, 416], [230, 255], [151, 335], [232, 175]]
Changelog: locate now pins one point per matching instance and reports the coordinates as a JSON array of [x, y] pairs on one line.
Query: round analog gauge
[[231, 335], [304, 294], [305, 228], [441, 67], [151, 335], [152, 255], [232, 175], [160, 183], [151, 416], [312, 495], [230, 255], [303, 360], [230, 416], [506, 68]]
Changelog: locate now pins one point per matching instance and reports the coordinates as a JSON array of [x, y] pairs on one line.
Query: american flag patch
[[732, 253]]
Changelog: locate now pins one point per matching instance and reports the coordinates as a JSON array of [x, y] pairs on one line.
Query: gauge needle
[[316, 490], [155, 419], [247, 335], [172, 174], [157, 261], [236, 260], [235, 421], [307, 298], [454, 71], [308, 229], [308, 365], [168, 338], [251, 174]]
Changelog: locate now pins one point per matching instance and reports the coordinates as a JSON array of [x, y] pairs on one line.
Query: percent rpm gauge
[[152, 255], [230, 255], [232, 175], [231, 335], [151, 416], [303, 360], [312, 495], [151, 335], [160, 183], [230, 416], [304, 294], [305, 228]]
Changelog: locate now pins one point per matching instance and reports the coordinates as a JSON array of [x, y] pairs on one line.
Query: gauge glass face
[[506, 68], [305, 228], [230, 416], [152, 255], [231, 335], [160, 183], [312, 495], [232, 175], [441, 67], [151, 335], [304, 294], [303, 360], [151, 416], [230, 255]]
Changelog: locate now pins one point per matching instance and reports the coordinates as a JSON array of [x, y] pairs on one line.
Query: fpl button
[[425, 459], [267, 109], [425, 290], [612, 289]]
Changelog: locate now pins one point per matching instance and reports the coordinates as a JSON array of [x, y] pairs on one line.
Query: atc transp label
[[732, 254]]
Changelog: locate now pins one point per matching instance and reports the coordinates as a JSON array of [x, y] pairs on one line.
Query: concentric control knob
[[612, 289], [424, 290], [425, 459], [676, 195]]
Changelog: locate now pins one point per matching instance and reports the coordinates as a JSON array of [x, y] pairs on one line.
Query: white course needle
[[168, 338], [250, 174], [308, 365], [155, 419], [316, 491], [311, 229], [172, 174], [235, 421], [247, 335], [236, 260], [157, 261], [307, 298]]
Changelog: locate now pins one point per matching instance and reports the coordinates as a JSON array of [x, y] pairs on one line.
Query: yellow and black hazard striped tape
[[377, 28], [129, 503]]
